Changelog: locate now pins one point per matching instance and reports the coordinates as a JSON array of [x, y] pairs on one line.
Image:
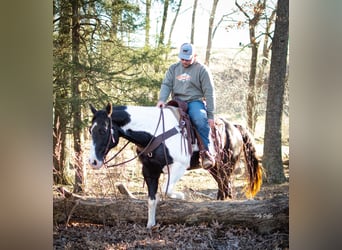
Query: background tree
[[210, 32], [75, 87], [262, 67], [164, 19], [272, 158], [177, 9], [175, 6], [61, 53], [147, 22], [193, 22], [258, 9]]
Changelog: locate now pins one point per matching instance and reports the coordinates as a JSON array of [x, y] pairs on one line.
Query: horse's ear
[[92, 108], [109, 109]]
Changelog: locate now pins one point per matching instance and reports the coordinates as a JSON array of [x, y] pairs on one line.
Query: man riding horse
[[191, 81]]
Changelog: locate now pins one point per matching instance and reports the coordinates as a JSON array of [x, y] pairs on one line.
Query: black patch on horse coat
[[154, 163], [153, 167], [120, 116], [160, 157], [140, 138]]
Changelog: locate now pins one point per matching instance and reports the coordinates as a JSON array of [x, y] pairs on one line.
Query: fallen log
[[264, 216]]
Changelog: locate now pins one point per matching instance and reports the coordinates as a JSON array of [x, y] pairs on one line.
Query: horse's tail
[[253, 163]]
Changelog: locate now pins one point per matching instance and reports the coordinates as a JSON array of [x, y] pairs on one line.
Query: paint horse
[[142, 126]]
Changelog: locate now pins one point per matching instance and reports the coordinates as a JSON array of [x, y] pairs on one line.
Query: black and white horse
[[141, 125]]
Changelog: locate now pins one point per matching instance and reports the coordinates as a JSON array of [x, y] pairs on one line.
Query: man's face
[[187, 63]]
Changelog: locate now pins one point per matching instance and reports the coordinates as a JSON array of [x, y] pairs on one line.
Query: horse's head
[[104, 136]]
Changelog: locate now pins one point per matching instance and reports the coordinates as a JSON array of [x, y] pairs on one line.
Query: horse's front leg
[[152, 207], [152, 185], [175, 172]]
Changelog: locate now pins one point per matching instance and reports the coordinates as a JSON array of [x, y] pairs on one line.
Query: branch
[[124, 191], [242, 10]]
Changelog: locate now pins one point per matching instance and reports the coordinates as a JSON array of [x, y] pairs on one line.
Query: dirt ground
[[197, 185]]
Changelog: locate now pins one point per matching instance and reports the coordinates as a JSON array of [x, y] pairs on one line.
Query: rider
[[192, 82]]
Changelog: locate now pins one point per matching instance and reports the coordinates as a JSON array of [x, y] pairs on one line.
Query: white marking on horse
[[152, 206], [93, 161], [92, 127]]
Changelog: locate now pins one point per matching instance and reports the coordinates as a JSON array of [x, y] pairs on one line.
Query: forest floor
[[197, 185]]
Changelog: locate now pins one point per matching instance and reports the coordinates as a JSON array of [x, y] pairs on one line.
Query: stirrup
[[208, 160]]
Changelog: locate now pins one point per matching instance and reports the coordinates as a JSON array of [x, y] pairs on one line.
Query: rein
[[165, 156], [111, 137]]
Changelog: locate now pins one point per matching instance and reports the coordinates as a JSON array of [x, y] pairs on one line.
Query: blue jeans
[[198, 115]]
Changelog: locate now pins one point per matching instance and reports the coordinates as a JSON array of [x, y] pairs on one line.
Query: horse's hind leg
[[224, 186], [228, 185], [227, 189], [221, 192]]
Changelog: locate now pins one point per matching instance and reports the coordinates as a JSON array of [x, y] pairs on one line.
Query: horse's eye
[[102, 131]]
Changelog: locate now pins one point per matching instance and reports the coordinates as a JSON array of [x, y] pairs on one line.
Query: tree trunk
[[162, 29], [194, 10], [61, 91], [260, 79], [264, 216], [210, 32], [251, 96], [174, 22], [272, 158], [252, 112], [116, 18], [147, 23], [76, 106], [59, 156]]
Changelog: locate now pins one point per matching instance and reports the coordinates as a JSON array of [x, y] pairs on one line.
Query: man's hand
[[211, 123], [160, 104]]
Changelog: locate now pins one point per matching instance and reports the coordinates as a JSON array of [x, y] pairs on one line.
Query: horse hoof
[[149, 225], [177, 195]]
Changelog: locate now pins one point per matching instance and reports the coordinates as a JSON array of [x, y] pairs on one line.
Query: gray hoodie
[[189, 84]]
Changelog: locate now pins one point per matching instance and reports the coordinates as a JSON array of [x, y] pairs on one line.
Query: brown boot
[[208, 160]]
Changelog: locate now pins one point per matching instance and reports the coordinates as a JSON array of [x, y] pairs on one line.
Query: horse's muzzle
[[95, 163]]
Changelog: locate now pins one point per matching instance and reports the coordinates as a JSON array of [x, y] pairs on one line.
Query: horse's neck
[[149, 119], [139, 138]]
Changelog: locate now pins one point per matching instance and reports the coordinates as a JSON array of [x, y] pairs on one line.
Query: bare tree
[[258, 10], [164, 19], [272, 159], [261, 78], [193, 21], [147, 22], [174, 21], [210, 31]]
